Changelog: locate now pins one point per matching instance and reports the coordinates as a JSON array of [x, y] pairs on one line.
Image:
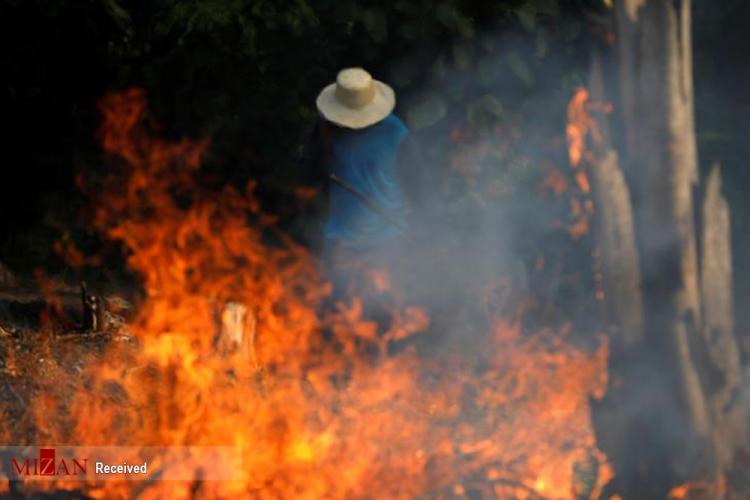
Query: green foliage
[[483, 112], [520, 68], [251, 70], [246, 73]]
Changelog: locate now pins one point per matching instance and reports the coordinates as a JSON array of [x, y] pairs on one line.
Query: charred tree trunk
[[656, 89], [617, 426], [679, 379], [723, 372], [615, 231]]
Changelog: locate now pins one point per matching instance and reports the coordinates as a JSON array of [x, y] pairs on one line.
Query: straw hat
[[356, 100]]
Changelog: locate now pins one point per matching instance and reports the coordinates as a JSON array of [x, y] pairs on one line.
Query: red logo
[[47, 464]]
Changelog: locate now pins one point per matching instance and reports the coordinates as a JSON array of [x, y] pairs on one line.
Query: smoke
[[492, 239], [488, 131]]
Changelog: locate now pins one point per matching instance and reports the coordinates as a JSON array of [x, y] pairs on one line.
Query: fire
[[579, 124], [580, 127], [697, 490], [323, 409]]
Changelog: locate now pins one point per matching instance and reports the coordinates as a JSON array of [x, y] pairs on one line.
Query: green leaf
[[403, 72], [426, 111], [546, 7], [408, 32], [120, 16], [456, 93], [487, 43], [489, 70], [405, 7], [529, 12], [541, 45], [464, 27], [520, 68], [463, 55], [483, 112], [375, 23], [527, 17], [492, 105], [453, 20], [445, 14], [439, 68], [571, 29]]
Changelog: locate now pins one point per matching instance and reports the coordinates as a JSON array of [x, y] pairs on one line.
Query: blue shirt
[[366, 159]]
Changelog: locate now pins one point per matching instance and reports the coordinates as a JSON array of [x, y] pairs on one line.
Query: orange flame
[[579, 123], [330, 412], [580, 126], [699, 489]]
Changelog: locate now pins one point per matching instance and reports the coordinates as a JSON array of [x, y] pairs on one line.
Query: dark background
[[246, 75]]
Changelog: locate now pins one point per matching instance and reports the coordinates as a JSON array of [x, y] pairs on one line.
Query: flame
[[699, 489], [581, 125], [67, 249], [306, 194], [554, 181], [322, 408]]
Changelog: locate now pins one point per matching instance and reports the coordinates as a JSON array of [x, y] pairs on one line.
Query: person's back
[[366, 203]]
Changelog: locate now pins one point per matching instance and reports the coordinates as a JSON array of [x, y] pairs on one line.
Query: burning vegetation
[[322, 400]]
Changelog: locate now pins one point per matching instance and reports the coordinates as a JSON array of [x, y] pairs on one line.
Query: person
[[361, 145]]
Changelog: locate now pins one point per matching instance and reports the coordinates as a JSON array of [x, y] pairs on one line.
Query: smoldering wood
[[656, 105], [612, 417], [236, 332], [616, 242], [614, 234], [101, 313], [236, 336], [724, 372], [22, 303], [93, 311], [667, 171]]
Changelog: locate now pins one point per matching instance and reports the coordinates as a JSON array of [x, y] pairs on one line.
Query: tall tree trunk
[[654, 51], [614, 230], [618, 429]]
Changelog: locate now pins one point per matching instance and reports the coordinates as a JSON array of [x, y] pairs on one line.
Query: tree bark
[[723, 373], [236, 332], [656, 92], [615, 231], [617, 428]]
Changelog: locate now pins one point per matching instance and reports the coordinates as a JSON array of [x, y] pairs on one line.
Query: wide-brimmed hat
[[356, 100]]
